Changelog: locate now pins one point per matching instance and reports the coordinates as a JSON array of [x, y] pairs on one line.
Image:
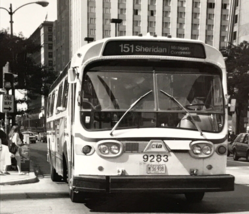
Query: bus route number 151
[[126, 48]]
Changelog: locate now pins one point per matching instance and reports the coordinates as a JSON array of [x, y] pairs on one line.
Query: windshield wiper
[[188, 113], [132, 105]]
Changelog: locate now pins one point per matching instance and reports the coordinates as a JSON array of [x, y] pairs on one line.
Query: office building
[[206, 20]]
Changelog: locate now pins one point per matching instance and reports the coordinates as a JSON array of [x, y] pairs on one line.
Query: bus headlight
[[103, 149], [201, 149], [109, 148]]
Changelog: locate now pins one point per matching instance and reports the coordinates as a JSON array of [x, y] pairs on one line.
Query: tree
[[237, 64], [18, 52]]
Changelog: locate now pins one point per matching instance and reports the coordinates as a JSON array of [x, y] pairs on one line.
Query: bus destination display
[[160, 48]]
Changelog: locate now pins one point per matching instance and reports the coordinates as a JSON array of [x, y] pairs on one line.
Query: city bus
[[140, 114]]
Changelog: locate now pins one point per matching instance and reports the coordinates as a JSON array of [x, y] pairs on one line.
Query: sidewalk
[[14, 178]]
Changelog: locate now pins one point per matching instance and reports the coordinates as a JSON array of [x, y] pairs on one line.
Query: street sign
[[6, 103]]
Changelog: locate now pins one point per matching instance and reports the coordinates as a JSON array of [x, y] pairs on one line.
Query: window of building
[[107, 10], [137, 23], [166, 2], [92, 20], [210, 16], [50, 46], [195, 26], [50, 54], [122, 11], [166, 24], [225, 17], [122, 1], [196, 4], [123, 22], [210, 37], [223, 38], [152, 2], [181, 25], [196, 15], [180, 35], [152, 12], [224, 27], [135, 33], [138, 2], [224, 6], [234, 35], [107, 0], [50, 29], [152, 23], [137, 12], [166, 13], [181, 3], [211, 5], [107, 21], [181, 15], [92, 32], [92, 9], [50, 62], [236, 3], [194, 36], [122, 33], [210, 27], [107, 33], [236, 19], [50, 37]]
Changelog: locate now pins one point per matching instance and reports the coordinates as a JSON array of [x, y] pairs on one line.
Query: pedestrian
[[5, 155], [16, 137]]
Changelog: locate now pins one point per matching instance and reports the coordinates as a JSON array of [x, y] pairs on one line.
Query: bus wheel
[[54, 175], [194, 197], [235, 155]]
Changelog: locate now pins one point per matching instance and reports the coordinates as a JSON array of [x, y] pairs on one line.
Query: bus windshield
[[108, 91]]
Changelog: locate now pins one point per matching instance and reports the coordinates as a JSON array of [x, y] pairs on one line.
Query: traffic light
[[8, 80]]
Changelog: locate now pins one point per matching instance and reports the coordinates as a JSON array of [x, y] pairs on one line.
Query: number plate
[[156, 169]]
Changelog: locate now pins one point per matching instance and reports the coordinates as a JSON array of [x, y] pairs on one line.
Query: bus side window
[[65, 94], [59, 97], [51, 110], [48, 106]]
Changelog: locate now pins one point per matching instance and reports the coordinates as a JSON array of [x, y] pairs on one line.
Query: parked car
[[240, 146], [42, 137], [32, 136], [231, 138]]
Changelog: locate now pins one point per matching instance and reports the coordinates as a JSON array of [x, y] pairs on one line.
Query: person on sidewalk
[[16, 137], [5, 155]]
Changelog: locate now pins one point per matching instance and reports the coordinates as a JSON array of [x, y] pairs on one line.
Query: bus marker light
[[221, 150], [87, 150], [101, 168], [209, 167]]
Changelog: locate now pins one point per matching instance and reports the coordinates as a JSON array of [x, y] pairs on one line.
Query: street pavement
[[240, 173]]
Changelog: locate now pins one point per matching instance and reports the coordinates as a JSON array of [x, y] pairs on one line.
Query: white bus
[[140, 114]]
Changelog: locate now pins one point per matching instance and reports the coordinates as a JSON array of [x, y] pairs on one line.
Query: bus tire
[[194, 197], [54, 175]]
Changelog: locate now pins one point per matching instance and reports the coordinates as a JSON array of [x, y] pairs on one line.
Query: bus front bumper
[[171, 184]]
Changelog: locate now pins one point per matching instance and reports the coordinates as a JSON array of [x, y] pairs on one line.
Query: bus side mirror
[[72, 75], [232, 105]]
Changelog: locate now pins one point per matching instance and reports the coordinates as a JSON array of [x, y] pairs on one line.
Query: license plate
[[156, 169]]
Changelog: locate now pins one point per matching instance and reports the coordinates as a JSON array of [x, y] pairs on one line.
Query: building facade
[[42, 36], [206, 20], [239, 22], [61, 36]]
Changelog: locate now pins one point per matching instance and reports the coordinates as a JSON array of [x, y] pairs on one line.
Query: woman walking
[[5, 155], [16, 137]]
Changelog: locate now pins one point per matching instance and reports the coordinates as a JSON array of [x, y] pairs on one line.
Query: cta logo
[[156, 146]]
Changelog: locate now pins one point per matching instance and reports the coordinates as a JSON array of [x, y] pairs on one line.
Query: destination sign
[[159, 48]]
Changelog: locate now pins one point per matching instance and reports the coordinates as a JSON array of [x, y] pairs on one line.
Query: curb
[[31, 179], [15, 178]]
